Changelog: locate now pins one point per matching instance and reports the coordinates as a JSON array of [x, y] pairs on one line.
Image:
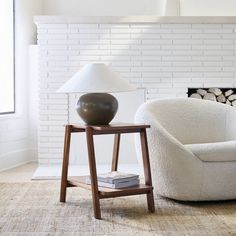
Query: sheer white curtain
[[6, 56]]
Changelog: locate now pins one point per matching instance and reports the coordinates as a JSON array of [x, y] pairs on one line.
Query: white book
[[116, 177], [123, 184]]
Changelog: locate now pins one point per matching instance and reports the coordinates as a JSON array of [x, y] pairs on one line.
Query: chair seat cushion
[[214, 152]]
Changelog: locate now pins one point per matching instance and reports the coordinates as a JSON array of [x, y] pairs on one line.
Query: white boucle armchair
[[192, 147]]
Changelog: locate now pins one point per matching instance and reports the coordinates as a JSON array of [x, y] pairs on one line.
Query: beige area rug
[[33, 209]]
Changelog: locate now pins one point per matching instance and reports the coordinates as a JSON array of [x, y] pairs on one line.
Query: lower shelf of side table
[[79, 181]]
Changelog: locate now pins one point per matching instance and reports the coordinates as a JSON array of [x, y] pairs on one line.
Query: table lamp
[[96, 106]]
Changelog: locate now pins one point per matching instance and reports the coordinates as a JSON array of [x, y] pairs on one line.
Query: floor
[[54, 172], [32, 208], [31, 171], [21, 173]]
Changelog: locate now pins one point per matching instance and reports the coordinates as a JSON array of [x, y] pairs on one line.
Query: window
[[7, 100]]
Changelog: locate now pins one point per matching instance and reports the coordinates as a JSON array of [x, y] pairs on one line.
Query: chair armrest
[[173, 165]]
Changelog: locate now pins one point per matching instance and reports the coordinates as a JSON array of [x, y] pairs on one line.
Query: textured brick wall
[[164, 58]]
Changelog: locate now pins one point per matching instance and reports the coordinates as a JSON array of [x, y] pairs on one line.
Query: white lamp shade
[[95, 78]]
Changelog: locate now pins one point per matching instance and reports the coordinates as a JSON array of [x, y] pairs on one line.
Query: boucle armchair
[[192, 147]]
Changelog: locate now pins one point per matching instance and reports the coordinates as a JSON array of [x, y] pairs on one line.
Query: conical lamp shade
[[95, 78]]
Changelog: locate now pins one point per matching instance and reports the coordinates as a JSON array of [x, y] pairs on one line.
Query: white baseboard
[[54, 172], [13, 159]]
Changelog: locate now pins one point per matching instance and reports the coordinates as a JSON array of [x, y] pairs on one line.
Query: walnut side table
[[101, 192]]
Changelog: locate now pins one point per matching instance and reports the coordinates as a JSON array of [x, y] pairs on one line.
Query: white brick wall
[[164, 58]]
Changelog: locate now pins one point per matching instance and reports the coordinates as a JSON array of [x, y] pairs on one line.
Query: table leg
[[115, 152], [147, 169], [65, 163], [93, 173]]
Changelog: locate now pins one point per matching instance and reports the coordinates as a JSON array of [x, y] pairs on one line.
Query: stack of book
[[116, 179]]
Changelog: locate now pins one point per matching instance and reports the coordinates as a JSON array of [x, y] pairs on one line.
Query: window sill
[[10, 116]]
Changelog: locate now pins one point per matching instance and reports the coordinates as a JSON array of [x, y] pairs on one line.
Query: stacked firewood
[[216, 94]]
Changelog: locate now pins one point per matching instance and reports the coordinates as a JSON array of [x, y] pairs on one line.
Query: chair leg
[[93, 173], [65, 163], [147, 169]]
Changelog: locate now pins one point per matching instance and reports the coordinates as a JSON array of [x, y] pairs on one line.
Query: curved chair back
[[191, 120]]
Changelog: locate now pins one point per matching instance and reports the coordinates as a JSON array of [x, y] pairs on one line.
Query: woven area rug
[[34, 209]]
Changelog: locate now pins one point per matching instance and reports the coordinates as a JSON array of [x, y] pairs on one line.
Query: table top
[[113, 127]]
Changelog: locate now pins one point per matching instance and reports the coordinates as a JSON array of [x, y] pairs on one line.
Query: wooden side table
[[101, 192]]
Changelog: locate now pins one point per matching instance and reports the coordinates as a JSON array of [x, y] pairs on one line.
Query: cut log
[[202, 92], [210, 96], [233, 103], [221, 98], [229, 92], [232, 97], [196, 95], [228, 102], [216, 91]]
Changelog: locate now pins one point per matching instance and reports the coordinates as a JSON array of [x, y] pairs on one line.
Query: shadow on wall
[[207, 8], [112, 8], [171, 8]]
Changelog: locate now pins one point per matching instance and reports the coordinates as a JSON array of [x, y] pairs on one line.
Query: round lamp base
[[97, 108]]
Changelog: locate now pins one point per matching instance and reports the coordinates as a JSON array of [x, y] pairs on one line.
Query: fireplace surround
[[164, 56]]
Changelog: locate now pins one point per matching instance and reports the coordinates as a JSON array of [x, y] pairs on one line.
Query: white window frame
[[13, 111]]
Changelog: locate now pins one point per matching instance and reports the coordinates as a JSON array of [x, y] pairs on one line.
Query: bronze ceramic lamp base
[[97, 108]]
